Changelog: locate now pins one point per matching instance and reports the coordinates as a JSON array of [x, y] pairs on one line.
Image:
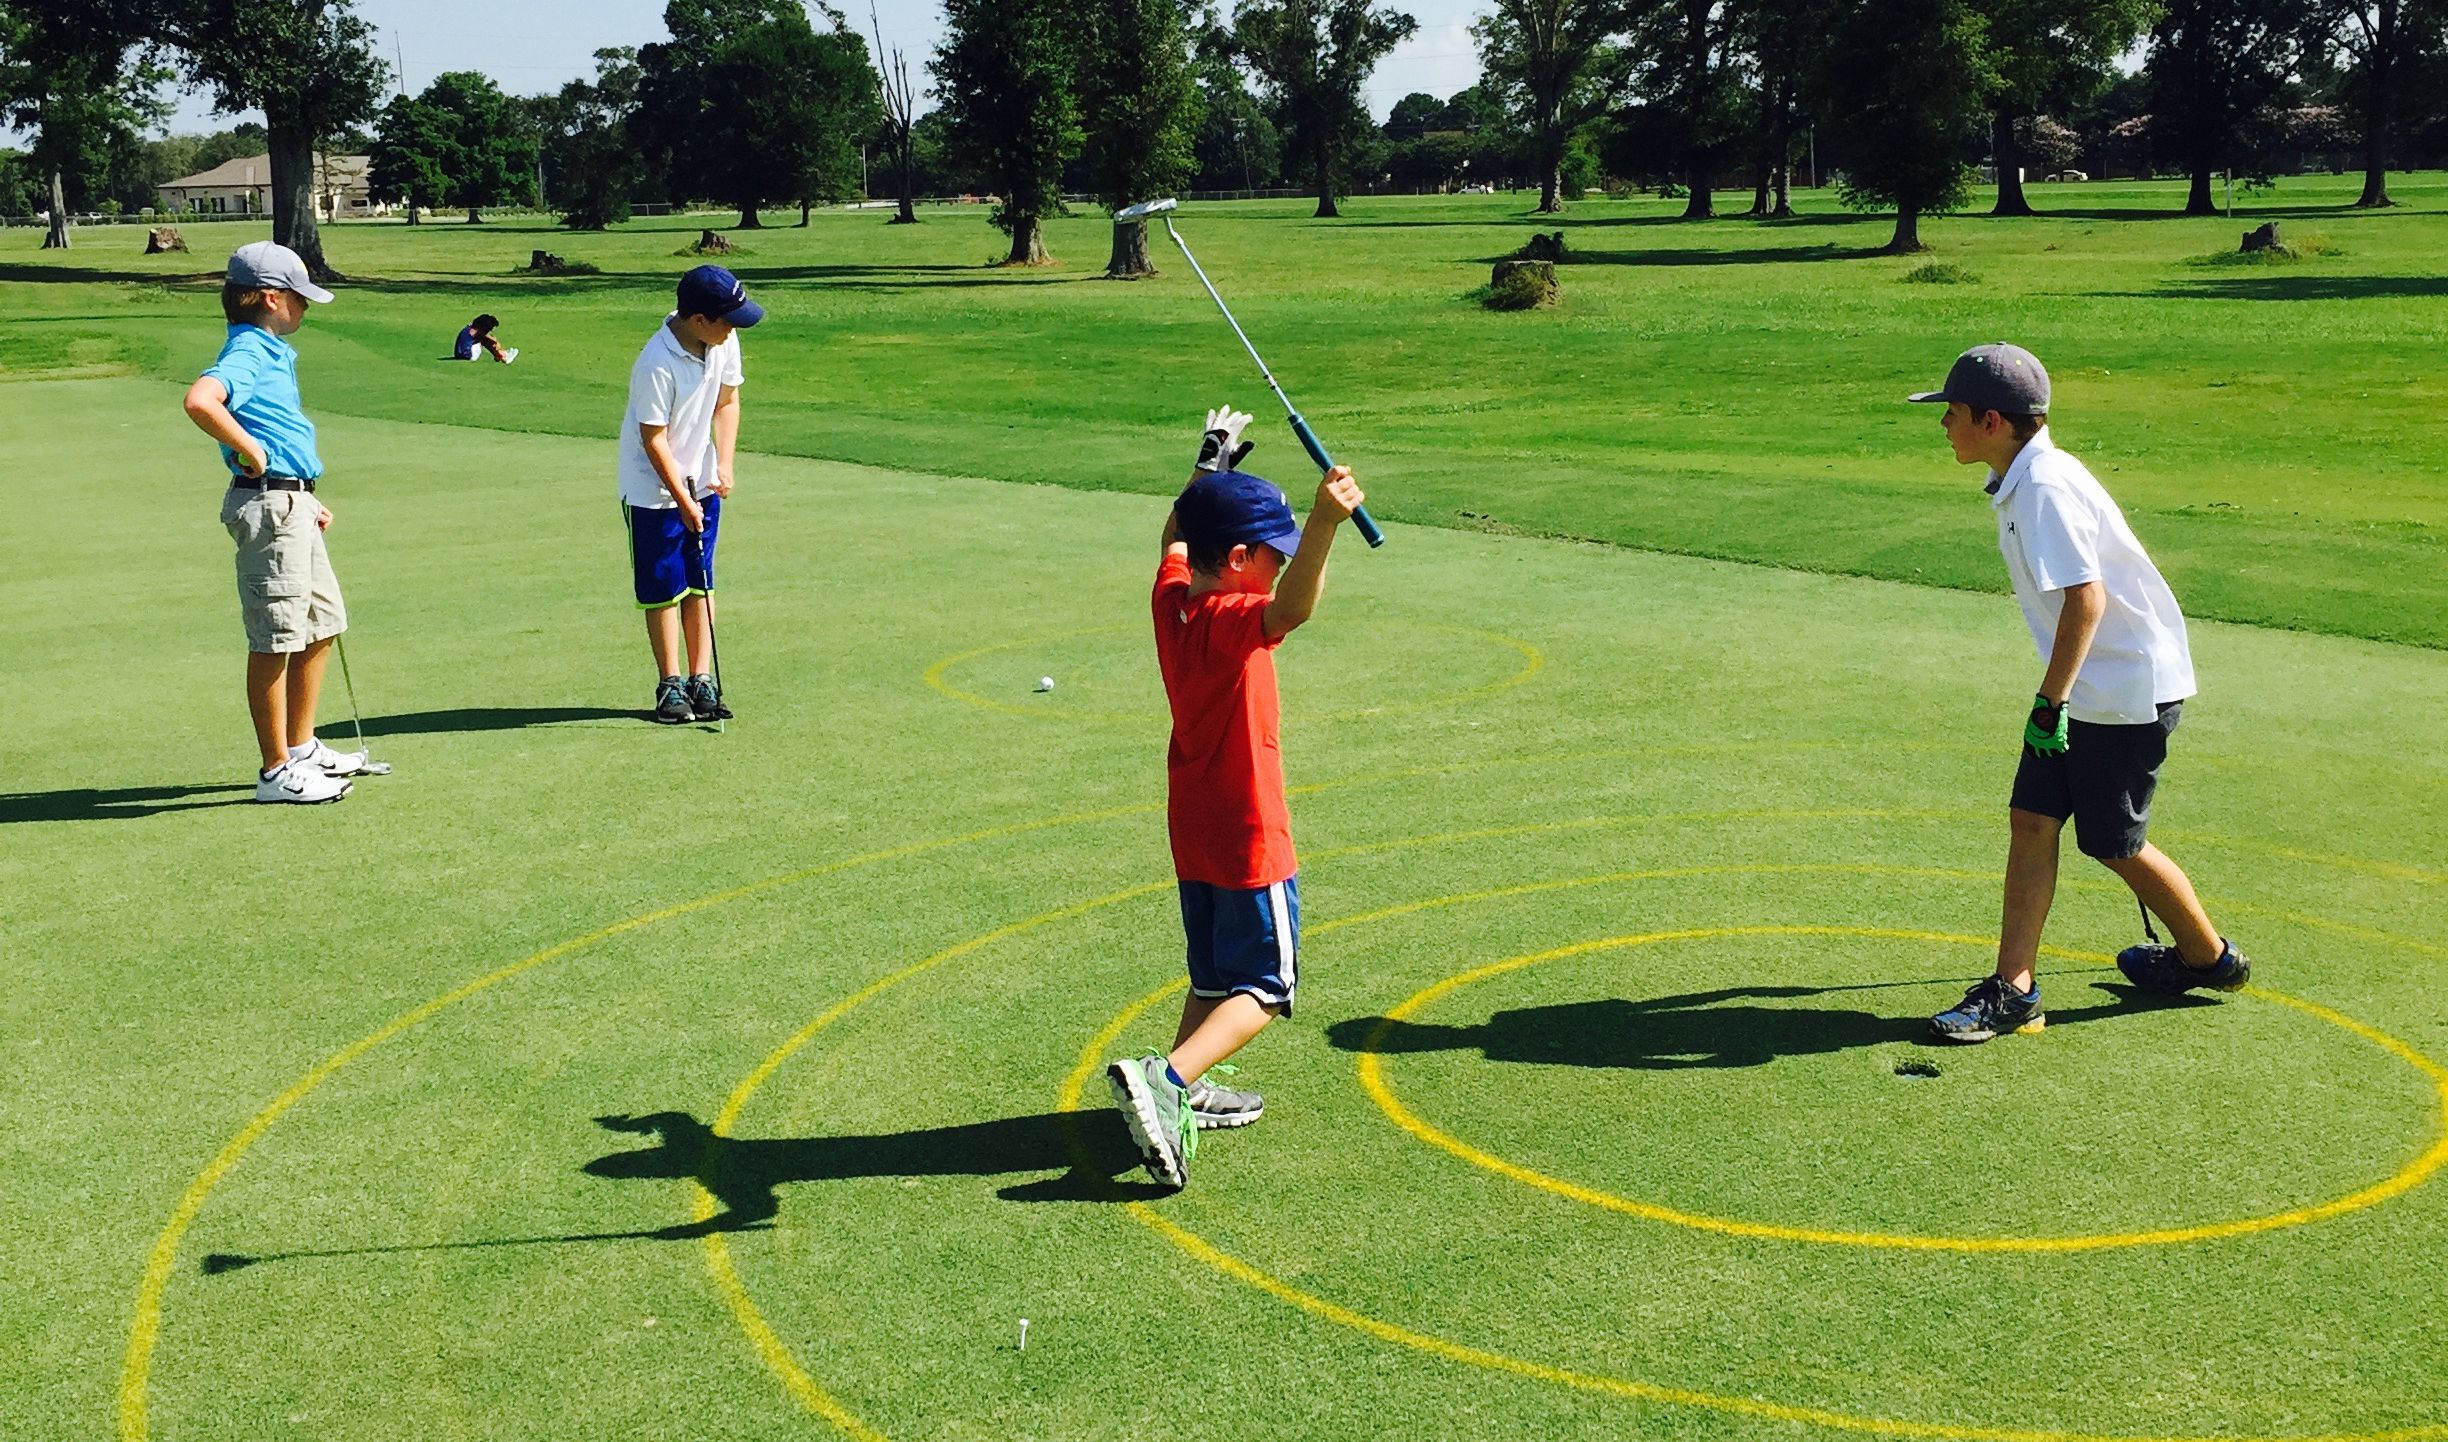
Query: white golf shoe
[[509, 354], [299, 782], [332, 763]]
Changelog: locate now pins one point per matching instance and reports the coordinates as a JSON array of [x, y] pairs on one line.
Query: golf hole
[[1914, 1070]]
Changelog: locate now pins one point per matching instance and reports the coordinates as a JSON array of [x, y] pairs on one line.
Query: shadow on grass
[[2296, 287], [1675, 1033], [1089, 1151], [487, 718], [82, 804], [1760, 255]]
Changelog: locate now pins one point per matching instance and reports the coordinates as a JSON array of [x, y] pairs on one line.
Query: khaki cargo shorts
[[287, 594]]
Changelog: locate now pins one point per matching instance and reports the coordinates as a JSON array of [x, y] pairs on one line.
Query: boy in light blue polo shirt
[[288, 597]]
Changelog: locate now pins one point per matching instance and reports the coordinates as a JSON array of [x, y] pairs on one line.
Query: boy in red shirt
[[1238, 574]]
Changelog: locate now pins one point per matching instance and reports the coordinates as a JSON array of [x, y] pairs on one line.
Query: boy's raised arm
[[1304, 578], [208, 406]]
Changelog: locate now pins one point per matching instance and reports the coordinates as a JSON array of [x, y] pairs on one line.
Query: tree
[[1551, 62], [591, 170], [1007, 76], [489, 149], [2212, 63], [1908, 110], [2381, 38], [1139, 113], [407, 160], [1313, 59], [2049, 53], [308, 65], [899, 131], [1689, 73], [85, 92], [1413, 116], [1237, 146], [1781, 37]]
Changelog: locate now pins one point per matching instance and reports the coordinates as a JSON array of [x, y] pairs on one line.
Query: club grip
[[1361, 521]]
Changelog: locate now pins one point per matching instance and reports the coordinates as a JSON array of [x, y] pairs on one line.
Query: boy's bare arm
[[667, 470], [2077, 623], [1296, 593], [1172, 537], [208, 406], [726, 437]]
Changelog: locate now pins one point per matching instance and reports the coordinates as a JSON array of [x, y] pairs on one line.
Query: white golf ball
[[1045, 683]]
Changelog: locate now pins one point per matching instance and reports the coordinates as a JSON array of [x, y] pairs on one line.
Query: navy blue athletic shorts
[[1243, 941], [2103, 779], [661, 563]]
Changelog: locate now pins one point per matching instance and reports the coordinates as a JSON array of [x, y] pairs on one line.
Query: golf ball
[[1045, 683]]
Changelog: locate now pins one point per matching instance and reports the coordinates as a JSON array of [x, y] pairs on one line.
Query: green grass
[[448, 1243]]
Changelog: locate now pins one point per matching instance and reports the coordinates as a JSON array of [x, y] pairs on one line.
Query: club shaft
[[1361, 520], [356, 715]]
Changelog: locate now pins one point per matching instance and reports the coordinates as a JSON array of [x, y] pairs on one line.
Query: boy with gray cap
[[2118, 670], [287, 596]]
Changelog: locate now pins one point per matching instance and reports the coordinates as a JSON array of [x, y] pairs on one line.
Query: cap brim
[[1288, 543], [313, 292], [1929, 396], [745, 314]]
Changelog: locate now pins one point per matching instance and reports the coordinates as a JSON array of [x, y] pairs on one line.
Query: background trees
[[1138, 111], [1906, 109], [1552, 64], [1313, 59], [591, 166], [1005, 78], [460, 143]]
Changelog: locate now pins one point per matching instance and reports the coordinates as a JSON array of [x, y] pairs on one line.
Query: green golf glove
[[2045, 730]]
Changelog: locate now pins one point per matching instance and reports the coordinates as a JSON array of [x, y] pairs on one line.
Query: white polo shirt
[[668, 387], [2057, 528]]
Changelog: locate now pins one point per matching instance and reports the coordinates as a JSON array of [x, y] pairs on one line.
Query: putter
[[371, 767], [713, 648], [1308, 438]]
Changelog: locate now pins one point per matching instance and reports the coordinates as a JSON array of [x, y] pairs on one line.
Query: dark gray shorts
[[2103, 780]]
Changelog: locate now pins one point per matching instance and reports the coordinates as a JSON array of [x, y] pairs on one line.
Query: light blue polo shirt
[[259, 370]]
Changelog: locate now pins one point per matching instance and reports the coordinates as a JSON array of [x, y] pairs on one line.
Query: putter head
[[1146, 208]]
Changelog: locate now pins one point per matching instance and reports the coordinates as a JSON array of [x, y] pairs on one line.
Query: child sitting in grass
[[1220, 612], [478, 334]]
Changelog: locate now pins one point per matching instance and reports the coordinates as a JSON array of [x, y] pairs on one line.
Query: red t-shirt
[[1224, 770]]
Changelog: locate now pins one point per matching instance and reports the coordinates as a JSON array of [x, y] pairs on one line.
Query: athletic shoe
[[509, 354], [2161, 970], [672, 701], [1213, 1106], [1158, 1115], [705, 699], [299, 783], [1991, 1008], [330, 762]]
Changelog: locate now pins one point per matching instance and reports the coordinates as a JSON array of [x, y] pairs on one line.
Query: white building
[[243, 186]]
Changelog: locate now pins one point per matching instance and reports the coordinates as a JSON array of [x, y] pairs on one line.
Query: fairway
[[587, 1079]]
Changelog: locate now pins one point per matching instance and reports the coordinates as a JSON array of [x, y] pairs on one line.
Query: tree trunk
[[1907, 232], [804, 205], [289, 148], [475, 217], [908, 213], [1551, 192], [2198, 200], [2377, 108], [1759, 195], [1130, 252], [1783, 209], [748, 217], [57, 237], [1028, 243], [2008, 152], [412, 212], [1702, 179]]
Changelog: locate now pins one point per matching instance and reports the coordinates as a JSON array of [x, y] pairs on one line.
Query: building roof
[[250, 170]]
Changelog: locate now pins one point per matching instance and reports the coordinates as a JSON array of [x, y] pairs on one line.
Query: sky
[[532, 46]]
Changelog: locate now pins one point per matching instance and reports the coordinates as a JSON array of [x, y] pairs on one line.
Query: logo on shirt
[[1184, 615]]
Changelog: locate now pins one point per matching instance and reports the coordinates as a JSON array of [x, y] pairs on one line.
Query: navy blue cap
[[710, 290], [1223, 509]]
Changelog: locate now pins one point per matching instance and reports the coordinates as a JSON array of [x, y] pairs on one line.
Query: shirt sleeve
[[1172, 579], [653, 391], [2060, 539], [239, 370], [731, 363]]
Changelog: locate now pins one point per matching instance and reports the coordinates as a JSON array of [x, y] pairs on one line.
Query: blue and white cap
[[1223, 509], [710, 290]]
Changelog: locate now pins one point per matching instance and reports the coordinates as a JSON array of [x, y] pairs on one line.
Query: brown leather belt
[[270, 482]]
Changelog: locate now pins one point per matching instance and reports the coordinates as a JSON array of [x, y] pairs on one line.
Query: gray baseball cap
[[2003, 378], [269, 265]]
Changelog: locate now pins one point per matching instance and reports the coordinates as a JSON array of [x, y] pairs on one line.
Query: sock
[[1175, 1077], [2033, 994], [301, 749]]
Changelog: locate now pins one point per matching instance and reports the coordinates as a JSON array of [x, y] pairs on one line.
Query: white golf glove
[[1222, 448]]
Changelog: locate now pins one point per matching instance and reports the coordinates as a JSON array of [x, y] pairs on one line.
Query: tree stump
[[1522, 285], [2264, 238], [163, 238], [1542, 246], [545, 260], [712, 242]]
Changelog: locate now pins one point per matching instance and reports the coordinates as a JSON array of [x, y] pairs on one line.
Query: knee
[[2031, 826]]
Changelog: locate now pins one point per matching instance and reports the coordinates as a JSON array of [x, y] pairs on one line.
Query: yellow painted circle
[[1373, 1081], [938, 677]]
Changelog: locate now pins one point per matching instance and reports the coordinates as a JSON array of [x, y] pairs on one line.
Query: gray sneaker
[[1214, 1106], [1158, 1115]]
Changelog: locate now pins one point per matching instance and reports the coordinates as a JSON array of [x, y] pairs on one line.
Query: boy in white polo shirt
[[2117, 673], [676, 446]]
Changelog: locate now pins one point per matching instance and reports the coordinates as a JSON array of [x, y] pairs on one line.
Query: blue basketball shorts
[[662, 563], [1243, 941]]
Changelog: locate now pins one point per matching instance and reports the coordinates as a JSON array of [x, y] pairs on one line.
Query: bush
[[1520, 285], [1939, 272]]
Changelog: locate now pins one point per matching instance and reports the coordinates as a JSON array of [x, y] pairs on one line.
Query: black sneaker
[[705, 699], [1991, 1008], [672, 701], [2161, 971]]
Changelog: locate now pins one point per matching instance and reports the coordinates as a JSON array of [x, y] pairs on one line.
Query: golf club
[[1308, 438], [713, 649], [369, 766]]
